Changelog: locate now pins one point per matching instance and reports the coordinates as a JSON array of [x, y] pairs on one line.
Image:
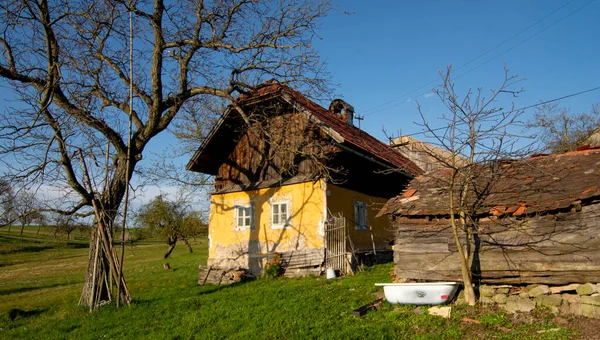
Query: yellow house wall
[[231, 246], [342, 200]]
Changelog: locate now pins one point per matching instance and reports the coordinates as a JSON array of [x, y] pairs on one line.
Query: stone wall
[[573, 299]]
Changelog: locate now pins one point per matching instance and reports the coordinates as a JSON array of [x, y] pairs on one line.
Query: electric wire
[[515, 110], [386, 105]]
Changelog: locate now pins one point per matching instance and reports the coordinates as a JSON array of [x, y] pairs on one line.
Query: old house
[[426, 156], [539, 222], [295, 178]]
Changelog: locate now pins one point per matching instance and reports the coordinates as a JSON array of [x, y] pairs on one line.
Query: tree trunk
[[187, 245], [38, 231], [171, 242], [21, 232]]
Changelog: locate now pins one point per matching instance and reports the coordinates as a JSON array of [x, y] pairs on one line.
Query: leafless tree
[[562, 130], [172, 220], [68, 63], [25, 206], [7, 195], [477, 139]]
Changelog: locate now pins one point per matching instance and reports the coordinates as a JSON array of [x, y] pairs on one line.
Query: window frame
[[360, 225], [248, 214], [280, 224]]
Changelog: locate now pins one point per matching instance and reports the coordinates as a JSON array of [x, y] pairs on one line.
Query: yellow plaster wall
[[306, 229], [342, 200]]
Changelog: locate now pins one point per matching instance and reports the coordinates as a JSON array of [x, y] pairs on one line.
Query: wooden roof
[[207, 158], [535, 185]]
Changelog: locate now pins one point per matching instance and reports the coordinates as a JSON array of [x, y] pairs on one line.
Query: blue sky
[[385, 50], [384, 55]]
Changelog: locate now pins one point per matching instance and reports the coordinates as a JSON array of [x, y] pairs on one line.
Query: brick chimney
[[343, 109]]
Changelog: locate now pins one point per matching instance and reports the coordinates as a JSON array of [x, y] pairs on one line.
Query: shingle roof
[[350, 135], [528, 186]]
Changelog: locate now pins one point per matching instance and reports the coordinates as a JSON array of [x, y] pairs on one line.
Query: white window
[[243, 216], [360, 215], [280, 214]]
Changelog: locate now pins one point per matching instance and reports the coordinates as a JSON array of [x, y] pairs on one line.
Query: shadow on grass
[[16, 313], [215, 288], [15, 245], [25, 249], [28, 289]]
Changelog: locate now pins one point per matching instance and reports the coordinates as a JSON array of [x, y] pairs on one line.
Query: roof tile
[[527, 186]]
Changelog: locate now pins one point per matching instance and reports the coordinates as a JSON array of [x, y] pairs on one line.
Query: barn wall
[[556, 248]]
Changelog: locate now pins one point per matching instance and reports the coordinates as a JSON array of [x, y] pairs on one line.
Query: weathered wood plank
[[558, 249]]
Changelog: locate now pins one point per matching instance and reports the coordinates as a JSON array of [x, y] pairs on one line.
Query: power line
[[385, 105], [526, 40], [519, 109]]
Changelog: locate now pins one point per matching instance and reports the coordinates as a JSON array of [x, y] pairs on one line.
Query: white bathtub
[[428, 293]]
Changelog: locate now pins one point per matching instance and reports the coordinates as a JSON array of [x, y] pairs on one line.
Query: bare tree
[[170, 220], [7, 195], [562, 130], [25, 207], [71, 67], [65, 225], [477, 139]]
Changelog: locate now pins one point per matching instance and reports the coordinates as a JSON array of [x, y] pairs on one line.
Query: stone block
[[517, 297], [519, 305], [590, 300], [460, 299], [441, 311], [486, 300], [524, 295], [562, 289], [571, 298], [502, 290], [590, 311], [487, 291], [539, 290], [548, 300], [500, 298], [586, 289]]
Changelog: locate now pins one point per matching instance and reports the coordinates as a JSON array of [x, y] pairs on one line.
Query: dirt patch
[[586, 328], [475, 320]]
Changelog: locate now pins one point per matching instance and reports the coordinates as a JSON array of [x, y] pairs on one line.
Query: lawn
[[41, 279]]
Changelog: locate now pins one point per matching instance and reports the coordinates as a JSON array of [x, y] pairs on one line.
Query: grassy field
[[41, 279]]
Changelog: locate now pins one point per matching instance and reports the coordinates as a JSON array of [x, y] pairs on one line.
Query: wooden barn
[[294, 178], [539, 222]]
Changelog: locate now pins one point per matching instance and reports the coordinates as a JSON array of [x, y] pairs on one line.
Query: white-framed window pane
[[243, 216], [279, 214]]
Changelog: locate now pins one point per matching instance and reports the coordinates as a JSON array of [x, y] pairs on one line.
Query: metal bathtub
[[428, 293]]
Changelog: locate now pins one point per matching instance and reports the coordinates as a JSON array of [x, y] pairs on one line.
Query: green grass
[[40, 283]]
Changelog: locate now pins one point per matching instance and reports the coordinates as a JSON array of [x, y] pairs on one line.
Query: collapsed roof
[[539, 184]]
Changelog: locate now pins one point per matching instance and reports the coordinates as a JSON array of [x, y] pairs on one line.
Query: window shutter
[[356, 215], [366, 217], [252, 216]]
